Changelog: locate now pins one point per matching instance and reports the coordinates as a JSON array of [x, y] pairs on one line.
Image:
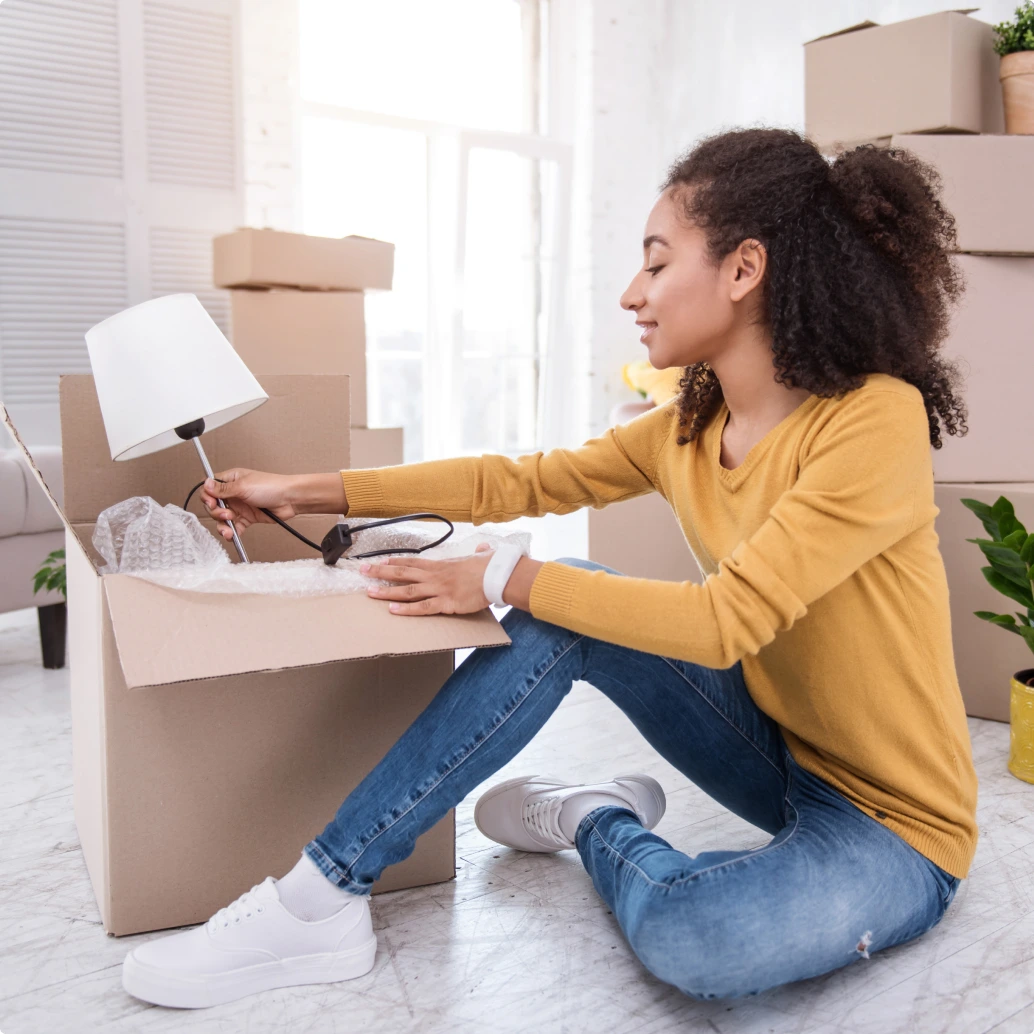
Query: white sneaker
[[251, 945], [524, 813]]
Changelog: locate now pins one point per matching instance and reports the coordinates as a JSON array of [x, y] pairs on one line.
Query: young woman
[[808, 684]]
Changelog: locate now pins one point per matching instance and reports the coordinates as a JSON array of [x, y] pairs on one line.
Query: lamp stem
[[208, 472]]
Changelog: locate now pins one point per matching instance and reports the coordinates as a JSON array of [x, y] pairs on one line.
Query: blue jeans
[[832, 886]]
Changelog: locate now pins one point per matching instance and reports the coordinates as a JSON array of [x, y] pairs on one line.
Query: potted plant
[[1010, 551], [1014, 44], [53, 618]]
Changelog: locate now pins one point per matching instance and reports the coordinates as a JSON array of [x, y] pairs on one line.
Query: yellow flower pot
[[1021, 725]]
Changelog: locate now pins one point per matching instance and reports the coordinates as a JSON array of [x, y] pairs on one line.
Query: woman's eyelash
[[654, 269]]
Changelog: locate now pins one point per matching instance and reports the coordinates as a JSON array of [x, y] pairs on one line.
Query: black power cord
[[339, 538]]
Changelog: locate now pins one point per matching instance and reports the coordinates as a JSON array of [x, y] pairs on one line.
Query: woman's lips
[[647, 332]]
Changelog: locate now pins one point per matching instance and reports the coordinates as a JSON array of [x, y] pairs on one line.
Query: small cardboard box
[[214, 734], [937, 73], [987, 187], [991, 338], [250, 257], [642, 537], [289, 331], [377, 446], [986, 657]]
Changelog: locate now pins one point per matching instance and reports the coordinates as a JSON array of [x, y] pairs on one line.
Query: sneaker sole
[[197, 992]]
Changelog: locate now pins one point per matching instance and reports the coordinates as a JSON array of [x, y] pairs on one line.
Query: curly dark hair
[[860, 274]]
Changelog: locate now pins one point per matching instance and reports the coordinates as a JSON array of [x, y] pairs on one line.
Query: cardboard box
[[642, 537], [986, 657], [987, 185], [377, 446], [937, 73], [250, 257], [991, 338], [213, 735], [288, 331]]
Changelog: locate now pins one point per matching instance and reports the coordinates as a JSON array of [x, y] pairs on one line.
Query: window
[[436, 141]]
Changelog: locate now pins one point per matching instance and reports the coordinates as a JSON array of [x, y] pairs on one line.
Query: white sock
[[308, 895], [576, 807]]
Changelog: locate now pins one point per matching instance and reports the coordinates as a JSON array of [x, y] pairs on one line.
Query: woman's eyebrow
[[654, 238]]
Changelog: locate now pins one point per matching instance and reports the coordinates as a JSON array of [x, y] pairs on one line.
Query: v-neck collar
[[734, 478]]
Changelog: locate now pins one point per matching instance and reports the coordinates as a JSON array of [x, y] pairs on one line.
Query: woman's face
[[683, 299]]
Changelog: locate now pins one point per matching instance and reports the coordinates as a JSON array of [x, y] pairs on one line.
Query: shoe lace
[[542, 817], [244, 907]]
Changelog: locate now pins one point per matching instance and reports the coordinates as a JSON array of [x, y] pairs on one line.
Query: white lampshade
[[161, 364]]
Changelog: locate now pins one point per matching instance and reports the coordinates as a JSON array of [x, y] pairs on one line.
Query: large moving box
[[986, 657], [991, 336], [286, 331], [250, 257], [936, 73], [377, 446], [641, 537], [987, 187], [214, 734]]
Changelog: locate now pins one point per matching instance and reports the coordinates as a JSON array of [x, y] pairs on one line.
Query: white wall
[[269, 32]]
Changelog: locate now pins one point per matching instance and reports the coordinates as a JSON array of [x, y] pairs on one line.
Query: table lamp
[[164, 372]]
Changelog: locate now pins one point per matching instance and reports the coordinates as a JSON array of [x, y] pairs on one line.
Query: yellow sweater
[[823, 576]]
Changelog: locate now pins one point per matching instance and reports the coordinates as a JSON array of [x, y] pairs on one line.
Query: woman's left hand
[[452, 586]]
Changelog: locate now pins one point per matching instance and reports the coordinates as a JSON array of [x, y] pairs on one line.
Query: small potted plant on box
[[53, 618], [1010, 551], [1014, 44]]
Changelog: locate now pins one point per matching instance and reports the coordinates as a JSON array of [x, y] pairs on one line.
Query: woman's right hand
[[244, 492]]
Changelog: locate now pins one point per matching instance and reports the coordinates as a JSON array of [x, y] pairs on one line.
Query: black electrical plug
[[335, 543]]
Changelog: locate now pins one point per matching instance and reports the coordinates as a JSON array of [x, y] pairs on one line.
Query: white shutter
[[120, 141]]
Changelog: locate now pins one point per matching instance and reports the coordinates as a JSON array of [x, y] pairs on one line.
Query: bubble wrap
[[170, 546]]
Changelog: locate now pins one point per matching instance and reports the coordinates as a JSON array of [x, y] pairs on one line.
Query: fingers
[[398, 569], [432, 605]]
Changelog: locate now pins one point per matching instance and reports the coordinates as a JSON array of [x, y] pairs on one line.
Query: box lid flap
[[876, 25], [9, 424], [169, 635]]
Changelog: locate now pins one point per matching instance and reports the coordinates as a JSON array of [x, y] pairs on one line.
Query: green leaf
[[1024, 618], [1027, 550], [1015, 540], [1008, 588], [987, 518]]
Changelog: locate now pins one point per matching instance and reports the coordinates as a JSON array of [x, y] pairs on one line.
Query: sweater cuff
[[552, 592], [363, 492]]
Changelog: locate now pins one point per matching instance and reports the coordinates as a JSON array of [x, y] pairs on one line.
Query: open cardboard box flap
[[167, 635], [170, 635]]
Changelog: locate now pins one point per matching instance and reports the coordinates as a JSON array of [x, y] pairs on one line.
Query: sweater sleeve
[[619, 464], [854, 497]]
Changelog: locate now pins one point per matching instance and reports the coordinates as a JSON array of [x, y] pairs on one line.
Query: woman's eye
[[654, 269]]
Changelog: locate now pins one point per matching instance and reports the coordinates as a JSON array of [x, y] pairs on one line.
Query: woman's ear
[[749, 262]]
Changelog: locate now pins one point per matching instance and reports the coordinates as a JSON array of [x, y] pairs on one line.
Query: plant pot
[[1021, 725], [1016, 73], [53, 624]]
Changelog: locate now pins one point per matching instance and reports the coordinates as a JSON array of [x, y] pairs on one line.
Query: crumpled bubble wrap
[[170, 546]]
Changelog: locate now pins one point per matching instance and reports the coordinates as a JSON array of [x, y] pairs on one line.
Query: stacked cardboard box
[[296, 306], [930, 85]]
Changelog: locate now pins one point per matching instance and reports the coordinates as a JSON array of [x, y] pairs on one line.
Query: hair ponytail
[[860, 274]]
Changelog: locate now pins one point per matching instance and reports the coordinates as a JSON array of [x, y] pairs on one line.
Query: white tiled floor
[[517, 942]]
